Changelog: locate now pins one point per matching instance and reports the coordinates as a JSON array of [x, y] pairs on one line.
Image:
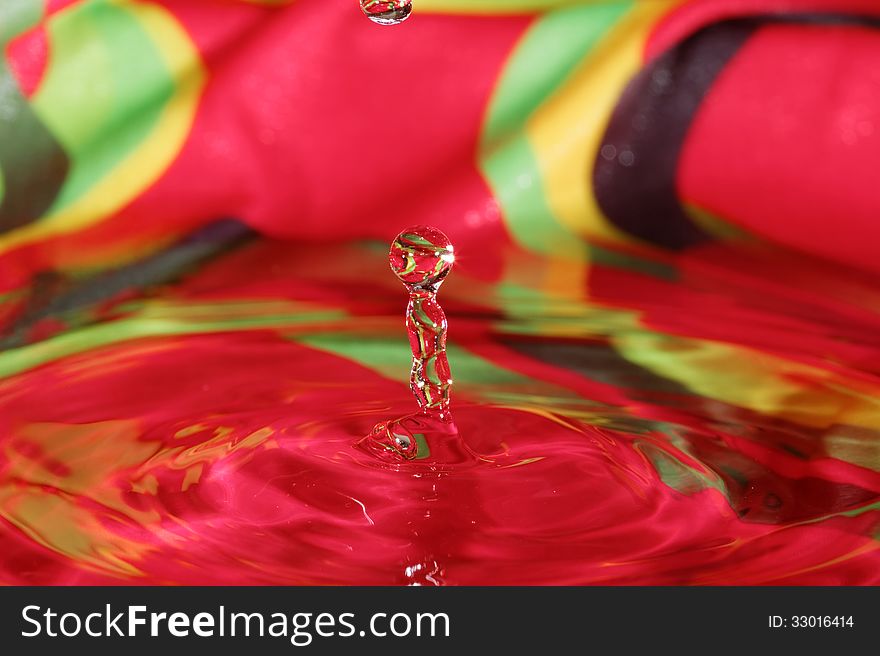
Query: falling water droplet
[[386, 12]]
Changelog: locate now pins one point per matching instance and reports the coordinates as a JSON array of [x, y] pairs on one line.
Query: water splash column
[[421, 257]]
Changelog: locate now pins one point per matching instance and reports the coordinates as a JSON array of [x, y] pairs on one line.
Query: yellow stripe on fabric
[[545, 57], [566, 131], [748, 378], [103, 93], [469, 6], [146, 163], [496, 6]]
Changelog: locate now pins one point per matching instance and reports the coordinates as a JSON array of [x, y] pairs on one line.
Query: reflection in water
[[710, 420]]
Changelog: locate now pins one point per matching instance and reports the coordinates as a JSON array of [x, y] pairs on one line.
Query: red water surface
[[228, 456]]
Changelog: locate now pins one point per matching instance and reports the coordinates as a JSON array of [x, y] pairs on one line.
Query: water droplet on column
[[421, 257], [386, 12]]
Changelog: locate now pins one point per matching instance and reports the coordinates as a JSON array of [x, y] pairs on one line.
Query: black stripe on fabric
[[53, 297], [635, 169], [634, 174], [34, 165]]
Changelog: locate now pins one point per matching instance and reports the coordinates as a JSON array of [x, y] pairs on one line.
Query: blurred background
[[665, 221]]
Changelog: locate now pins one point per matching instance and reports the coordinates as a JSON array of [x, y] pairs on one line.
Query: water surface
[[711, 419]]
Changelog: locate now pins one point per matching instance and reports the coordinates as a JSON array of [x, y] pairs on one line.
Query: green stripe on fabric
[[679, 476], [105, 87], [153, 324], [512, 173], [391, 358], [547, 54], [611, 258], [718, 227], [17, 16], [388, 357], [478, 377], [497, 6]]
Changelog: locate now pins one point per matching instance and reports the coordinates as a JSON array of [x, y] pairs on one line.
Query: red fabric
[[787, 143], [355, 127], [696, 14]]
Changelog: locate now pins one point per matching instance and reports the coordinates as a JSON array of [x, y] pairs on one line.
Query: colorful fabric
[[665, 229]]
